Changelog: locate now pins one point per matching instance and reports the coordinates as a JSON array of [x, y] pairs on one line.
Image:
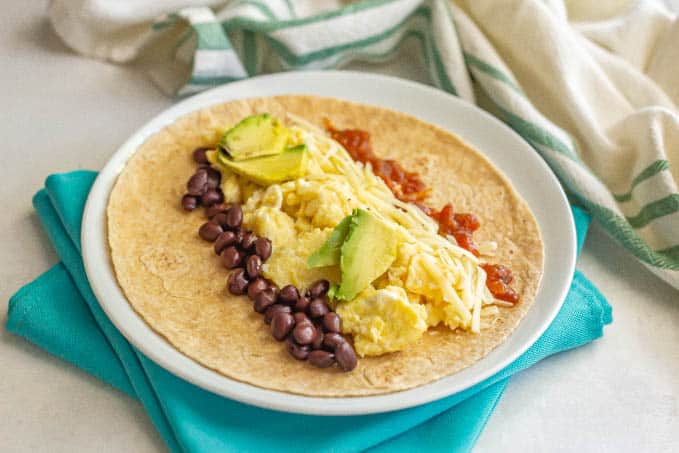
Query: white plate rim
[[550, 208]]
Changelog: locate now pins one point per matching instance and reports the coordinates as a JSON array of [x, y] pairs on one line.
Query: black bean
[[331, 340], [199, 155], [301, 318], [321, 358], [234, 216], [318, 308], [253, 266], [302, 303], [224, 240], [319, 288], [272, 310], [281, 325], [264, 299], [231, 257], [189, 202], [210, 231], [346, 356], [220, 218], [318, 339], [211, 196], [256, 287], [248, 241], [237, 282], [263, 248], [215, 209], [332, 322], [197, 184], [304, 333], [288, 295], [273, 287], [297, 351], [214, 177]]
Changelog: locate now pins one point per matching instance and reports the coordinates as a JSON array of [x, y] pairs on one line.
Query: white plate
[[529, 174]]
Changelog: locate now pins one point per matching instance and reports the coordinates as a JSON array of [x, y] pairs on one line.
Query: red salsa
[[498, 278], [407, 186], [460, 226]]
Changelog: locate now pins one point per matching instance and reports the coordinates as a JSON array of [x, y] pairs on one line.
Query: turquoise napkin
[[59, 313]]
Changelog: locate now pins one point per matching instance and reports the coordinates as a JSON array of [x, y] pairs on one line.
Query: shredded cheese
[[455, 279]]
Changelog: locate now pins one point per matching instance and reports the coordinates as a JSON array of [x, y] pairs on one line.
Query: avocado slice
[[288, 165], [255, 136], [363, 246], [367, 252], [329, 253]]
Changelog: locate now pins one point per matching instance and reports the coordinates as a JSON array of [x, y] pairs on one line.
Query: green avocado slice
[[265, 171], [363, 246], [255, 136], [367, 252], [329, 253]]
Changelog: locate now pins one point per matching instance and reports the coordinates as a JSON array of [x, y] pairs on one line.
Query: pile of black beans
[[203, 187], [310, 329], [305, 322]]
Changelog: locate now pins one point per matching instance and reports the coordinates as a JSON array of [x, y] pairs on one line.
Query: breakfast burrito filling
[[334, 214]]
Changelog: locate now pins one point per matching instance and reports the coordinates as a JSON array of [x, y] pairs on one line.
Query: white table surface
[[59, 112]]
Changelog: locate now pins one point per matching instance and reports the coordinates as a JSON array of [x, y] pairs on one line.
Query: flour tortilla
[[177, 284]]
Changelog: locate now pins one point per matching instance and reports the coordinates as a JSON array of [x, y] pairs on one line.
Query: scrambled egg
[[297, 216], [383, 320], [431, 282]]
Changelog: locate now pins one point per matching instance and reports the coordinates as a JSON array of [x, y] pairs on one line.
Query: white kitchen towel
[[593, 86]]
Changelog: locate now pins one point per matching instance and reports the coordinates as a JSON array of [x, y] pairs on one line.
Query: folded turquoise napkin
[[59, 313]]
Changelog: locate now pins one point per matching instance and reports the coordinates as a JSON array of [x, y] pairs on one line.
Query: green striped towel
[[592, 86]]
